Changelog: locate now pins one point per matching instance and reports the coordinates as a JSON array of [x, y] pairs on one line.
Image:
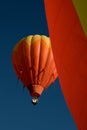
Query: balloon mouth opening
[[34, 100], [35, 94]]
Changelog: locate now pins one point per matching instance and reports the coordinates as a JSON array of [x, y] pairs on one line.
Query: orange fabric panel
[[69, 45], [30, 60], [35, 52]]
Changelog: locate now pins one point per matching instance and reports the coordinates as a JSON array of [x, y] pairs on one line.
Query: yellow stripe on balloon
[[81, 8]]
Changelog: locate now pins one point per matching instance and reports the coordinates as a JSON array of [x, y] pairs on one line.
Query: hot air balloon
[[70, 53], [34, 64]]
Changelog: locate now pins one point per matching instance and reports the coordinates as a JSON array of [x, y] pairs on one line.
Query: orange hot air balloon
[[34, 65], [70, 54]]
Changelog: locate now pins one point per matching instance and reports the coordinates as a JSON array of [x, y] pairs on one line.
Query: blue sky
[[17, 20]]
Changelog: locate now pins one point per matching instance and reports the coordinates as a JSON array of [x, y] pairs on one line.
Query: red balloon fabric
[[69, 45]]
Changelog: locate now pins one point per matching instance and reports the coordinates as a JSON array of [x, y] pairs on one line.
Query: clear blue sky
[[17, 20]]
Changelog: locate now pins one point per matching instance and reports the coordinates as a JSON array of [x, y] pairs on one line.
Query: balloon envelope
[[69, 43], [33, 63]]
